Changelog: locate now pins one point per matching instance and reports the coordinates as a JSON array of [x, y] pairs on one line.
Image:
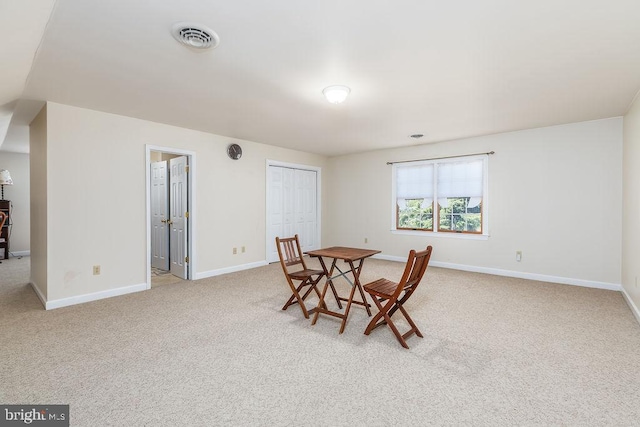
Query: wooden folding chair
[[385, 290], [291, 256]]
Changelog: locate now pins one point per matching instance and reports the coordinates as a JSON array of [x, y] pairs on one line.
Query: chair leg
[[374, 322], [306, 294], [395, 331], [401, 301], [385, 312], [297, 298], [414, 328], [367, 306]]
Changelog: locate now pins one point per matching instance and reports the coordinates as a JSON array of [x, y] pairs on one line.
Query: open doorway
[[170, 223]]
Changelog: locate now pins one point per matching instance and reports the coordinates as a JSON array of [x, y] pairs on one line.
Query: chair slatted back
[[415, 268], [3, 218], [290, 252]]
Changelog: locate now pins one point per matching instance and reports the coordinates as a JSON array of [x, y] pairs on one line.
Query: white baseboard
[[211, 273], [65, 302], [36, 289], [19, 253], [517, 274], [631, 304]]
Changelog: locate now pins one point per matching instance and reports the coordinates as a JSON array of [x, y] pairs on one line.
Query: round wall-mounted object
[[234, 151]]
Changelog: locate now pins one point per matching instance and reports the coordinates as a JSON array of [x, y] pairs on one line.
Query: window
[[415, 197], [441, 196]]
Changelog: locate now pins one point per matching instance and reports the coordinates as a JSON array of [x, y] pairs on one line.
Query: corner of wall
[[632, 306]]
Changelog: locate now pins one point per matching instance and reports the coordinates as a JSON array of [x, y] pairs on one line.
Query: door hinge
[[186, 214], [186, 169], [186, 259]]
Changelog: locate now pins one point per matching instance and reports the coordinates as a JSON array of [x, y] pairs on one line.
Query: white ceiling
[[22, 24], [445, 69]]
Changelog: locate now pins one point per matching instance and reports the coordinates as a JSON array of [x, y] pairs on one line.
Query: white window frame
[[436, 213]]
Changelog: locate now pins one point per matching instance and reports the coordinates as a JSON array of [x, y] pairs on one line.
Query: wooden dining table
[[354, 258]]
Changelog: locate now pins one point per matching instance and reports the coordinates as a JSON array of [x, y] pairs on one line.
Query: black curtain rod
[[440, 158]]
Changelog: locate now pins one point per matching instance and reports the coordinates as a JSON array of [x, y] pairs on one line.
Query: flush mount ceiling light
[[195, 35], [336, 94]]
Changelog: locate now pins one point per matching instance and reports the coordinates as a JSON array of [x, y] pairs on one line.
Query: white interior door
[[178, 180], [292, 208], [159, 216]]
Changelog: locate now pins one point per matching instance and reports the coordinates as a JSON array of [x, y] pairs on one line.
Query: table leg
[[321, 304], [356, 281], [322, 307], [356, 284], [346, 311], [329, 274]]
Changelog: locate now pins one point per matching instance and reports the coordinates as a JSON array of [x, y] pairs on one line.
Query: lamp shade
[[5, 177], [336, 94]]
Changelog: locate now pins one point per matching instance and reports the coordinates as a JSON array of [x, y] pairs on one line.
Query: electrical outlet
[[636, 281], [235, 251], [519, 256], [243, 249], [366, 240], [96, 270]]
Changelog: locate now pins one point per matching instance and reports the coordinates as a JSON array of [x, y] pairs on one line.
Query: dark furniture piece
[[295, 269], [5, 207], [348, 255], [385, 290]]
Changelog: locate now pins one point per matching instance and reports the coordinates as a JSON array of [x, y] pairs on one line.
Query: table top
[[347, 254]]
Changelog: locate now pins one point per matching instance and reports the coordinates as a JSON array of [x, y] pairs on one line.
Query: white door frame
[[191, 189], [318, 170]]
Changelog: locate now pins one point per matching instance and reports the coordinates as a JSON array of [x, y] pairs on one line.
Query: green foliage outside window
[[457, 216], [415, 217]]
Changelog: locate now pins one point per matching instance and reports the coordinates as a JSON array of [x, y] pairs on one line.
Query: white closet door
[[292, 208], [305, 213]]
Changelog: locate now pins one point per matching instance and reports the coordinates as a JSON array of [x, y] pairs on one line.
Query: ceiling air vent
[[195, 35]]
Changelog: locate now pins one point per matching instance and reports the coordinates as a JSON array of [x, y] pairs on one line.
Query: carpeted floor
[[161, 278], [220, 352]]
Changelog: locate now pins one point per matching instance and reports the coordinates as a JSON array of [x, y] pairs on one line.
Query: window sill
[[445, 235]]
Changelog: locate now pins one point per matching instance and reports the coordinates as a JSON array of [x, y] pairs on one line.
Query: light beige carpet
[[161, 278], [220, 352]]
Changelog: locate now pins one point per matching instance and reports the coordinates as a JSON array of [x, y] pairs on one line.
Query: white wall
[[96, 198], [631, 206], [554, 194], [18, 193]]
